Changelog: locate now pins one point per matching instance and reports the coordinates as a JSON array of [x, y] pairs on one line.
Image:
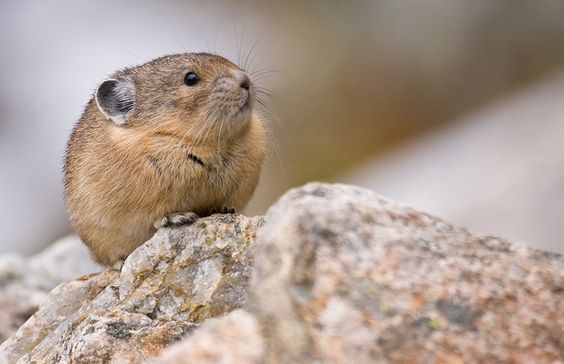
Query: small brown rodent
[[161, 144]]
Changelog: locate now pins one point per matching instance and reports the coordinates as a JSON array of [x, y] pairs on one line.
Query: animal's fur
[[181, 149]]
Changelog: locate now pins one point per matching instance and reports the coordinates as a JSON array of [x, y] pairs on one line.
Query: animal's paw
[[186, 218], [117, 265], [223, 210]]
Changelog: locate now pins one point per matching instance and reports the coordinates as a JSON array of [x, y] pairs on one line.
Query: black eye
[[191, 79]]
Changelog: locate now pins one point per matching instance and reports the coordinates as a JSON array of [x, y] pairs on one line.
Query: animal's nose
[[245, 82], [243, 79]]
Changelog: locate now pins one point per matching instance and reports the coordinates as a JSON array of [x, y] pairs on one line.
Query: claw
[[222, 210], [186, 218]]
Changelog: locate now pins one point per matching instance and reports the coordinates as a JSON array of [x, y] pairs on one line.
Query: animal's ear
[[116, 99]]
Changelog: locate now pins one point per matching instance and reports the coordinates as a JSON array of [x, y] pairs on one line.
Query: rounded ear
[[116, 99]]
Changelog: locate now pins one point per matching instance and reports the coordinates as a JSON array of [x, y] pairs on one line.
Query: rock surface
[[177, 279], [340, 275], [343, 276], [24, 282]]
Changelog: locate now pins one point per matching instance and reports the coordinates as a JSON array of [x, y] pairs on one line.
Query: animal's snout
[[242, 79], [245, 82]]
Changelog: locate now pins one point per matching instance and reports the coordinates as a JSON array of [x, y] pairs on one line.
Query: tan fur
[[119, 180]]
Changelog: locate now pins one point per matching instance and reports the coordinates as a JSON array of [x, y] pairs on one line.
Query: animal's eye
[[191, 79]]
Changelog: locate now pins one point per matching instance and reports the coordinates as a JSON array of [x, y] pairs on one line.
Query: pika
[[162, 144]]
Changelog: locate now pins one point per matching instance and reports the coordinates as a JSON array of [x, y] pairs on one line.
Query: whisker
[[264, 71], [268, 92], [256, 80], [266, 115], [210, 126], [179, 42], [132, 53], [273, 116], [277, 99], [237, 43], [259, 76], [189, 132], [199, 31], [253, 48]]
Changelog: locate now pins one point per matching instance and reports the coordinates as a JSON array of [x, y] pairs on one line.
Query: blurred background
[[449, 106]]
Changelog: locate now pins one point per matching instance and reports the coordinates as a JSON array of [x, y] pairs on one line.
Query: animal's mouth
[[246, 105], [249, 100], [244, 111]]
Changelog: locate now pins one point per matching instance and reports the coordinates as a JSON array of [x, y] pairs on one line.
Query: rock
[[165, 288], [498, 170], [238, 333], [340, 275], [344, 276], [24, 282]]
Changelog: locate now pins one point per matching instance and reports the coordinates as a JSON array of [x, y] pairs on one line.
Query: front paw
[[222, 210], [186, 218], [117, 265]]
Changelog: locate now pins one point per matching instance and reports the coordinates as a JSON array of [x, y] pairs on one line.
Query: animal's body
[[161, 144]]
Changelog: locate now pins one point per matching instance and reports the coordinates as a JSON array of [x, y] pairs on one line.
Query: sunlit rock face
[[332, 273], [344, 276], [176, 280]]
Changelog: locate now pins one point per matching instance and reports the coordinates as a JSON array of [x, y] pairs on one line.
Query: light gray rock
[[340, 275], [177, 279], [24, 282], [235, 338], [344, 276]]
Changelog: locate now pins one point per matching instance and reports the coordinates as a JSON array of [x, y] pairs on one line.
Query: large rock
[[24, 282], [177, 279], [340, 276], [344, 276]]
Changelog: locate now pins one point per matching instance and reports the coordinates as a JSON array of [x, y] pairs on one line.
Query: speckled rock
[[165, 288], [24, 282], [344, 276], [340, 275], [239, 337]]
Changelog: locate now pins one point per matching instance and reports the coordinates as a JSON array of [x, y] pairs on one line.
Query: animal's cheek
[[173, 104]]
